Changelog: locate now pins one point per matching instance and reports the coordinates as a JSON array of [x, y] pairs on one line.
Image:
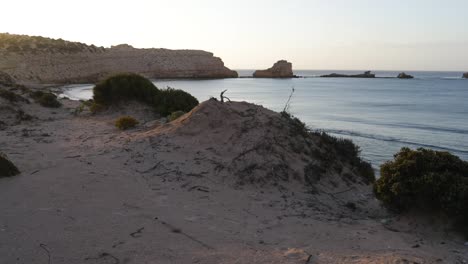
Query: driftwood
[[222, 96]]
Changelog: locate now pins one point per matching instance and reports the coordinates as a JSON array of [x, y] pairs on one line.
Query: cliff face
[[465, 75], [281, 69], [41, 60]]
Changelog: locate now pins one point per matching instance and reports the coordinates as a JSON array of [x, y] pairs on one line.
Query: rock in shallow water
[[281, 69], [404, 76]]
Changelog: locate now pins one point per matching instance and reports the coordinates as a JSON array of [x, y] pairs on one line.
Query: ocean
[[380, 115]]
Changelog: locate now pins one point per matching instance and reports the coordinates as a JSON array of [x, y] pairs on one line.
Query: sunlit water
[[381, 115]]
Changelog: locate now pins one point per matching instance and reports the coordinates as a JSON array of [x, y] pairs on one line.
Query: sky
[[253, 34]]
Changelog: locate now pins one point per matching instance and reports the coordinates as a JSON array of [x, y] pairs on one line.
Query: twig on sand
[[103, 255], [72, 157], [43, 246], [179, 231], [150, 169], [137, 233], [222, 96]]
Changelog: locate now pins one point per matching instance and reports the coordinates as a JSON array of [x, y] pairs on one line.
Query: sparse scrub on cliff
[[130, 86], [126, 122], [427, 180], [7, 168], [34, 44]]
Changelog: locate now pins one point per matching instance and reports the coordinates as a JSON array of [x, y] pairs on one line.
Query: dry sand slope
[[222, 184]]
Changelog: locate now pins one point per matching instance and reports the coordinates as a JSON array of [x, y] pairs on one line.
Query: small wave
[[403, 125], [392, 139]]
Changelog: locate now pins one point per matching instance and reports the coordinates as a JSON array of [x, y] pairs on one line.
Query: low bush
[[95, 108], [46, 99], [427, 180], [8, 95], [342, 148], [49, 100], [171, 100], [124, 87], [7, 168], [130, 86], [126, 122], [174, 115]]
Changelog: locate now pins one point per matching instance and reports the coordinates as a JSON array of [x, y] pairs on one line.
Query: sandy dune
[[180, 193]]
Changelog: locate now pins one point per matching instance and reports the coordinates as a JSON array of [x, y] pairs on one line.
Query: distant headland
[[31, 59]]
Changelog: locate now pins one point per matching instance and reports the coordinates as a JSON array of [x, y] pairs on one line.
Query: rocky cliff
[[465, 75], [281, 69], [43, 60]]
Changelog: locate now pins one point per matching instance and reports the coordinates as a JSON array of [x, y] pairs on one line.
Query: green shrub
[[424, 179], [334, 147], [9, 96], [124, 87], [174, 115], [49, 100], [130, 86], [96, 108], [7, 168], [125, 122], [46, 99], [170, 100]]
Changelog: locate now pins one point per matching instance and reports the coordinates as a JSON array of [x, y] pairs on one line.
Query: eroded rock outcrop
[[281, 69], [404, 76], [42, 60], [465, 75]]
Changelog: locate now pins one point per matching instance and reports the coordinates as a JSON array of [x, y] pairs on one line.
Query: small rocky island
[[465, 75], [404, 76], [366, 74], [281, 69]]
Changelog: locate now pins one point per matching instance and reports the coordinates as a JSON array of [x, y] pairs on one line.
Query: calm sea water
[[380, 115]]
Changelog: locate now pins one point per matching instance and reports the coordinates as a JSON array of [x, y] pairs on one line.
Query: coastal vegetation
[[343, 149], [174, 115], [126, 122], [7, 168], [35, 44], [427, 180], [11, 96], [46, 99], [129, 86]]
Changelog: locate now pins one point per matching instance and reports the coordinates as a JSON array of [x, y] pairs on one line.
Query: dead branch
[[222, 96]]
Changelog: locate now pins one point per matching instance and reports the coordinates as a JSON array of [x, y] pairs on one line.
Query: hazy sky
[[246, 34]]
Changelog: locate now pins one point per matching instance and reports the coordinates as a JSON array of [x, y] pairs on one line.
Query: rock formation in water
[[42, 60], [281, 69], [366, 74], [465, 75], [404, 76]]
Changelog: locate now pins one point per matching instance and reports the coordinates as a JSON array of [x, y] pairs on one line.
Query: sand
[[178, 193]]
